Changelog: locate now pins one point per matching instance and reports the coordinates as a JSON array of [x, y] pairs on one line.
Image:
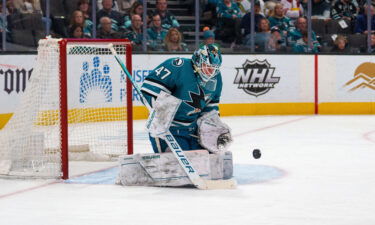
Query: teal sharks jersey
[[176, 76]]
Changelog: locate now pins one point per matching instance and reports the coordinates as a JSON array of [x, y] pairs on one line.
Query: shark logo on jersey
[[196, 101], [96, 79], [256, 77], [178, 62]]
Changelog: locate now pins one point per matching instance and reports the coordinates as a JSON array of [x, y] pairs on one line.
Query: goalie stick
[[184, 162]]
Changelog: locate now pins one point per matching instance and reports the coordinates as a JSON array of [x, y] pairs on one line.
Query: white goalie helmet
[[207, 61]]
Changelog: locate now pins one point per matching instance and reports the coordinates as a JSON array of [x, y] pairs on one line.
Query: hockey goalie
[[183, 96]]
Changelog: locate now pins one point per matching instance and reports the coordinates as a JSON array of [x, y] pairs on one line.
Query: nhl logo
[[256, 77]]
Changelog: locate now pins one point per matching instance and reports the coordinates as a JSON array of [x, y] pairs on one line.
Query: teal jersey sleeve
[[177, 77]]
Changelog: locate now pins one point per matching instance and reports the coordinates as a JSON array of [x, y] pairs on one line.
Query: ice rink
[[314, 170]]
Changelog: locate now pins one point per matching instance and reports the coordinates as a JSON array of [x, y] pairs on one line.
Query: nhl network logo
[[256, 77]]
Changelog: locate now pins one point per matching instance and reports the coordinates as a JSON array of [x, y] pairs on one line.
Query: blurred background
[[237, 26]]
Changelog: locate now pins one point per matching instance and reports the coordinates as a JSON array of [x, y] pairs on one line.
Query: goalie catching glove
[[214, 135]]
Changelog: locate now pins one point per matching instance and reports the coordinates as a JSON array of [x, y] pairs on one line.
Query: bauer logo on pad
[[256, 77]]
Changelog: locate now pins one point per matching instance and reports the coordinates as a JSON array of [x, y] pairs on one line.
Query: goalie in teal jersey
[[196, 85]]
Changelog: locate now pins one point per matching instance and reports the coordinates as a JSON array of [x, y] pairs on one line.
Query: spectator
[[209, 13], [244, 6], [246, 20], [173, 41], [268, 7], [208, 36], [115, 16], [227, 9], [76, 31], [361, 21], [213, 2], [84, 7], [278, 19], [293, 8], [136, 9], [11, 14], [11, 8], [229, 22], [77, 18], [167, 18], [135, 33], [296, 33], [190, 5], [363, 2], [320, 10], [3, 25], [276, 43], [344, 9], [372, 44], [341, 45], [301, 45], [99, 4], [156, 34], [262, 36], [106, 31], [28, 6], [124, 6]]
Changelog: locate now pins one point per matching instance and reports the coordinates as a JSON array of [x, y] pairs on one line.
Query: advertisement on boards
[[347, 79], [15, 71], [267, 78], [247, 79]]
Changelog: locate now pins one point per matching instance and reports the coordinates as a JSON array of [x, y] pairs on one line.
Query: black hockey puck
[[256, 154]]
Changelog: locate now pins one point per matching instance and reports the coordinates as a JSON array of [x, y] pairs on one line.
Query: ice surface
[[313, 170]]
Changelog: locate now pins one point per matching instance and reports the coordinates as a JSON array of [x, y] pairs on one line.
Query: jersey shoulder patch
[[178, 62]]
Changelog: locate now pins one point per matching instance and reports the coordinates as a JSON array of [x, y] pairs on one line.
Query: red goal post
[[77, 106]]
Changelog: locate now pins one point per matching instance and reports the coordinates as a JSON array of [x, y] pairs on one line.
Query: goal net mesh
[[30, 143]]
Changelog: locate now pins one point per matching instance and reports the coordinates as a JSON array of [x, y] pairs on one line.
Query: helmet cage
[[207, 61]]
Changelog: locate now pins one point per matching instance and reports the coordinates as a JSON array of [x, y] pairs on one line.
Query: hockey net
[[77, 106]]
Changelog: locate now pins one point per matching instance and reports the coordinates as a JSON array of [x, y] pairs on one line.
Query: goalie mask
[[207, 61]]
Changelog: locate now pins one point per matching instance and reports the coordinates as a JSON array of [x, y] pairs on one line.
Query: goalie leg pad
[[161, 169], [221, 165], [164, 170]]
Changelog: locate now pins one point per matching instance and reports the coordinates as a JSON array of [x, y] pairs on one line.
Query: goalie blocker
[[163, 169]]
